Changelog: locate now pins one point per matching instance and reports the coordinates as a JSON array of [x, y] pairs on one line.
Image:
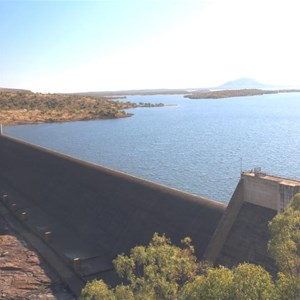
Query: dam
[[81, 216]]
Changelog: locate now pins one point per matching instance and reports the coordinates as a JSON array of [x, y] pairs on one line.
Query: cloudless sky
[[72, 46]]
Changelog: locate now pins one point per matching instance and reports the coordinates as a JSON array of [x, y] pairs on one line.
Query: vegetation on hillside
[[27, 107], [235, 93], [284, 247], [163, 271]]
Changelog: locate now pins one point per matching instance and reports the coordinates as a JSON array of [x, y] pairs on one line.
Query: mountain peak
[[242, 83]]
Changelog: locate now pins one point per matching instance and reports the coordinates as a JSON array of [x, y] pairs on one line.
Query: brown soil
[[23, 273]]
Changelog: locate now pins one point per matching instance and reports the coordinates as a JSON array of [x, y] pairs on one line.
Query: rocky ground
[[23, 273]]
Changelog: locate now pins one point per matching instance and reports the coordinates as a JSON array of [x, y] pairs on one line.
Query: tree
[[284, 245], [252, 282], [163, 271], [216, 284], [96, 290], [287, 287], [245, 282], [158, 271]]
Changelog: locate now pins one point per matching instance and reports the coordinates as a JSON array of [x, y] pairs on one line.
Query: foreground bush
[[162, 271]]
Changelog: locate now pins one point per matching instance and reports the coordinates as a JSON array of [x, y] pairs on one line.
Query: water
[[196, 146]]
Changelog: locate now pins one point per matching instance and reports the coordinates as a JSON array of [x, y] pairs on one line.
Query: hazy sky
[[71, 46]]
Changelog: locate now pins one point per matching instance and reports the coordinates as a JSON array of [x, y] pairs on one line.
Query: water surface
[[196, 146]]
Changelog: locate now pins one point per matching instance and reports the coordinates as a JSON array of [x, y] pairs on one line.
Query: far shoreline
[[221, 94], [120, 116]]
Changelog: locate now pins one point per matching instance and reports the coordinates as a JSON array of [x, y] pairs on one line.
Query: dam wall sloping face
[[242, 234], [95, 213], [248, 238]]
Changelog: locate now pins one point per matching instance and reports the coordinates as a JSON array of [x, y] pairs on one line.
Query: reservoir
[[199, 146]]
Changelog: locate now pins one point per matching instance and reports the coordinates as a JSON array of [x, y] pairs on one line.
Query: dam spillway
[[87, 214], [94, 213]]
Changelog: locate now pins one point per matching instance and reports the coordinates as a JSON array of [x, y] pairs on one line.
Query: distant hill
[[14, 90], [243, 83], [140, 92]]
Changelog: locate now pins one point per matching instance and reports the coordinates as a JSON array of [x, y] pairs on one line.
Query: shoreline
[[16, 123], [118, 115], [221, 94], [24, 108]]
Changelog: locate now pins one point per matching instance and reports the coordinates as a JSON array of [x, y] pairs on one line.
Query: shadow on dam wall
[[92, 213]]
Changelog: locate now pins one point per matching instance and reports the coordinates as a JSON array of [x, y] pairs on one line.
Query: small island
[[26, 107], [235, 93]]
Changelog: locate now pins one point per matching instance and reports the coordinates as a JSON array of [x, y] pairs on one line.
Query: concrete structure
[[268, 191], [85, 214], [91, 213], [242, 234]]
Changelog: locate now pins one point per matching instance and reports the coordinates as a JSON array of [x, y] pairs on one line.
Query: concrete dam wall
[[93, 213], [87, 214]]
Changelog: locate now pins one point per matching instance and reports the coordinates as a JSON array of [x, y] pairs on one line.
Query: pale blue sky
[[72, 46]]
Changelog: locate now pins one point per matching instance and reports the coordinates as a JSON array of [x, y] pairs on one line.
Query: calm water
[[196, 146]]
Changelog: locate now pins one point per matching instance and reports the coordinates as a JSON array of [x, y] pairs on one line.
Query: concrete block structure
[[242, 234], [268, 191]]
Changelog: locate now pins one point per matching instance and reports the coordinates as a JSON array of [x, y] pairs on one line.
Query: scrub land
[[25, 107]]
